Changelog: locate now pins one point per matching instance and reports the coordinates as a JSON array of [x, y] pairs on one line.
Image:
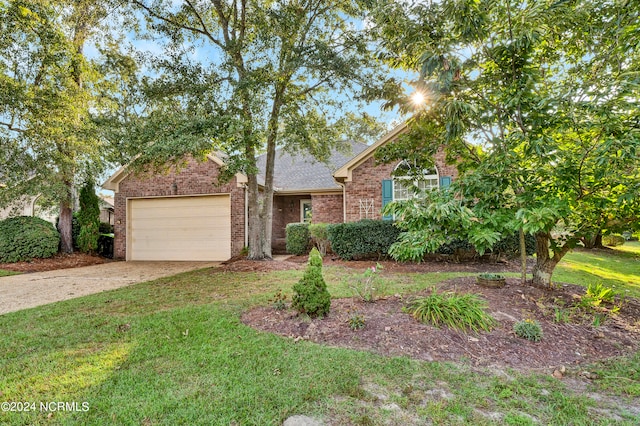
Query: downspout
[[246, 216], [344, 201]]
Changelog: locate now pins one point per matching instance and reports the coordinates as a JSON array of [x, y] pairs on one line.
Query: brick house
[[189, 216]]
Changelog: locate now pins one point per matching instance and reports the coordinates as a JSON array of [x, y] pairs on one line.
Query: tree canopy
[[48, 139], [537, 103]]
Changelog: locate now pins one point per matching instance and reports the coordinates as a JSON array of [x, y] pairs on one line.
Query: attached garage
[[179, 228]]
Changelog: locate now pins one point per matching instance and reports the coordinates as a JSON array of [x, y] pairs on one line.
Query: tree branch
[[11, 127]]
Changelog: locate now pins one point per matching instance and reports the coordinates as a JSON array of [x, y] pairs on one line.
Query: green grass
[[4, 273], [619, 268], [174, 351]]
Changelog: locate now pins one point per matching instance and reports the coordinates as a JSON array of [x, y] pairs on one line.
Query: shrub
[[369, 285], [279, 301], [89, 219], [509, 245], [364, 239], [356, 321], [297, 238], [310, 294], [105, 228], [319, 236], [612, 240], [457, 311], [528, 329], [26, 237]]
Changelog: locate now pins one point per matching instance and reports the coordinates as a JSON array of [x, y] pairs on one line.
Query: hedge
[[364, 239], [297, 238], [26, 238]]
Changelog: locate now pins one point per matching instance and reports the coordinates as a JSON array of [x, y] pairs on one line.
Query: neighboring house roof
[[344, 173], [106, 201], [302, 172]]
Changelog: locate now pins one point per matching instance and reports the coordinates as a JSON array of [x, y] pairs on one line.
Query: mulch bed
[[59, 261], [389, 331]]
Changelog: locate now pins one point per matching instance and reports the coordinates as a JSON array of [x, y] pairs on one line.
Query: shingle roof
[[303, 172]]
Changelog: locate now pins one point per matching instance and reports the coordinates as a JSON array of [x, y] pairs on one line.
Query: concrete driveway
[[29, 290]]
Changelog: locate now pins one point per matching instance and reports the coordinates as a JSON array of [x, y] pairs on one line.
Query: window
[[305, 211], [404, 178]]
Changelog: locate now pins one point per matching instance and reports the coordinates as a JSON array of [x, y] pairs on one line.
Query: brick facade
[[365, 188], [196, 178], [327, 208]]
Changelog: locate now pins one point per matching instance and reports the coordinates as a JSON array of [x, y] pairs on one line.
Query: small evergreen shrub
[[89, 219], [26, 238], [364, 239], [297, 238], [528, 329], [612, 240], [319, 236], [310, 294], [457, 311]]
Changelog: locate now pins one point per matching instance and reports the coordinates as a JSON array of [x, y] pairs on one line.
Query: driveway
[[29, 290]]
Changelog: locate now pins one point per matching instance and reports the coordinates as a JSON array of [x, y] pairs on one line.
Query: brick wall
[[366, 185], [327, 208], [196, 178]]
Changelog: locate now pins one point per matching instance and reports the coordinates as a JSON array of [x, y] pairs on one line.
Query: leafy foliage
[[320, 236], [528, 329], [457, 311], [596, 294], [50, 91], [27, 237], [297, 235], [89, 219], [364, 239], [534, 104], [310, 294]]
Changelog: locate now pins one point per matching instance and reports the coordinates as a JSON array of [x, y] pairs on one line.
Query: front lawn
[[618, 268], [4, 273], [174, 351]]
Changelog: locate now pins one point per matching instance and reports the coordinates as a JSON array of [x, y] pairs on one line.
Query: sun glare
[[418, 99]]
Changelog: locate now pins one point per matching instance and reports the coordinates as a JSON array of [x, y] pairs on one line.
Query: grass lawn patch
[[616, 268], [4, 273], [174, 351]]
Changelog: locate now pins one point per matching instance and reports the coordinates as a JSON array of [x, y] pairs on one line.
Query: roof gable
[[344, 173]]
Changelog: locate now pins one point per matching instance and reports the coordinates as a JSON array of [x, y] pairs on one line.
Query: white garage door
[[180, 228]]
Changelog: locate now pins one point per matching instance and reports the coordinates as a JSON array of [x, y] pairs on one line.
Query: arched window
[[405, 176]]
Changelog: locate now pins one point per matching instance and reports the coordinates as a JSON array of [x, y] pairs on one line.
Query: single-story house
[[29, 206], [185, 216], [106, 209]]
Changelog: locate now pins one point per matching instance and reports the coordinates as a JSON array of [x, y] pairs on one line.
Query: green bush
[[105, 228], [364, 239], [319, 236], [528, 329], [26, 238], [310, 294], [612, 240], [508, 246], [457, 311], [297, 238], [89, 219]]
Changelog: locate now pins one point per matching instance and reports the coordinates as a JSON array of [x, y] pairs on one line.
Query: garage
[[179, 228]]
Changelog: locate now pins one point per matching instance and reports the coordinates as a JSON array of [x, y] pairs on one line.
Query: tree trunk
[[545, 264], [65, 223], [523, 257]]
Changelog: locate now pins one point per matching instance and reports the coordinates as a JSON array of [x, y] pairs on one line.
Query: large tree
[[537, 103], [48, 142], [245, 77]]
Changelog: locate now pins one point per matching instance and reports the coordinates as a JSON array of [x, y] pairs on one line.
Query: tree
[[270, 74], [48, 141], [89, 218], [537, 104]]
